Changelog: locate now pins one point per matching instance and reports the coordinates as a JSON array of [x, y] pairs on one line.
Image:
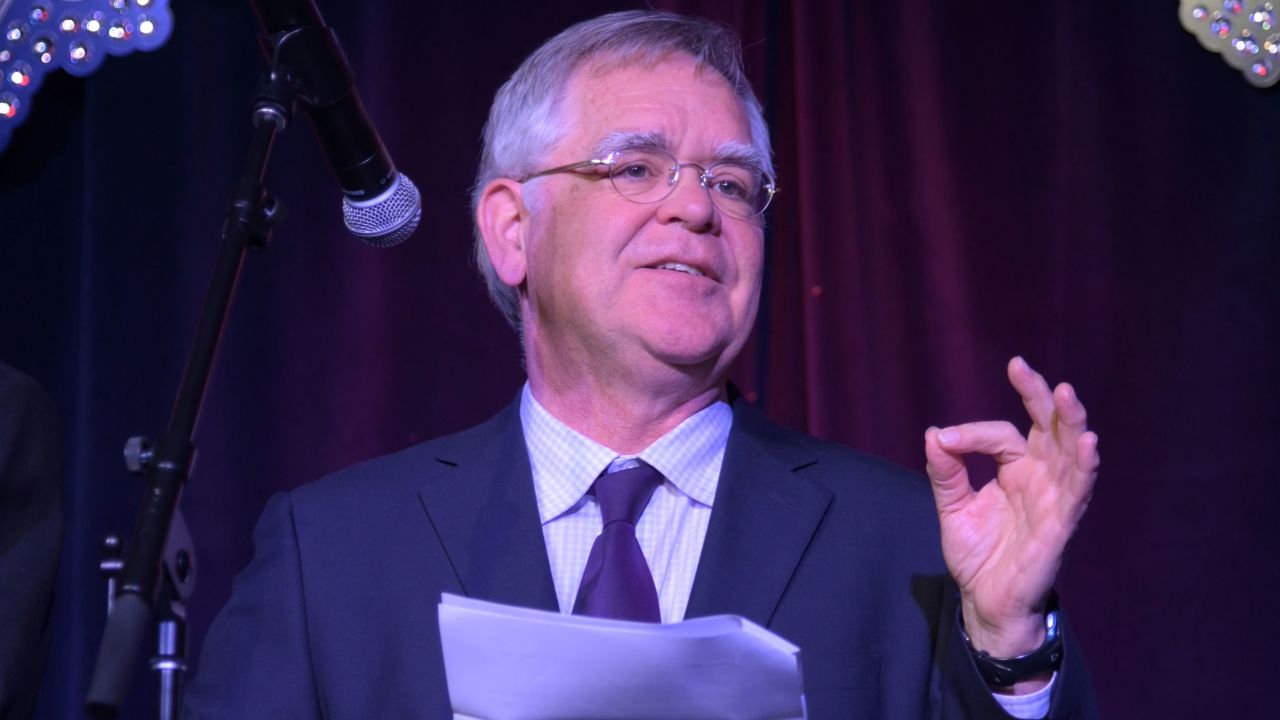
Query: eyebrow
[[740, 153], [631, 140], [730, 151]]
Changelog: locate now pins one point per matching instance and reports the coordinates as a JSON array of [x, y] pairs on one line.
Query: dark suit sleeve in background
[[30, 536]]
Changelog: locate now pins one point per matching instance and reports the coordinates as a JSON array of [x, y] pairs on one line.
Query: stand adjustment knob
[[137, 454]]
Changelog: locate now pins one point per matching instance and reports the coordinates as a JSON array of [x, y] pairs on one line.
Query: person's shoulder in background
[[30, 535]]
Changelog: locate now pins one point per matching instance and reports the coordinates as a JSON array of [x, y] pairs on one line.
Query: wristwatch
[[1004, 672]]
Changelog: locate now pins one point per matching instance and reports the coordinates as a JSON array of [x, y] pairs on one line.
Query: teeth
[[682, 268]]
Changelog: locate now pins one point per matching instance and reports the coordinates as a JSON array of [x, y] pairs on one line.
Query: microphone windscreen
[[387, 219]]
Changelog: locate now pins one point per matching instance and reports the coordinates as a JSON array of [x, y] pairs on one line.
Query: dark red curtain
[[1076, 182], [1079, 183]]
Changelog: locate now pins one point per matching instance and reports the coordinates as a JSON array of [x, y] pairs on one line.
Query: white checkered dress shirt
[[565, 463]]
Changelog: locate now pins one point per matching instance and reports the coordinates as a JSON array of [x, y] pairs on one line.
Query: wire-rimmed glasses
[[649, 175]]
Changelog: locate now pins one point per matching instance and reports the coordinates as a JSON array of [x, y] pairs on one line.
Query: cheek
[[567, 266], [750, 262], [539, 251]]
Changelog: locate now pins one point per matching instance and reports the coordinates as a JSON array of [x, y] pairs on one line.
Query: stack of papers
[[509, 663]]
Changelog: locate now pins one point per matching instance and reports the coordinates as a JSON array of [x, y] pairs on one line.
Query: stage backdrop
[[1077, 182]]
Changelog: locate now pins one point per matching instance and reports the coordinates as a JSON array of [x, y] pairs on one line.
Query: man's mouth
[[680, 267]]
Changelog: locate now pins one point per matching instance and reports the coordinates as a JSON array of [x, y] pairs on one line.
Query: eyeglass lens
[[650, 175]]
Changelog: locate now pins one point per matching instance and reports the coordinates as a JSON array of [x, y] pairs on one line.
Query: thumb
[[947, 474]]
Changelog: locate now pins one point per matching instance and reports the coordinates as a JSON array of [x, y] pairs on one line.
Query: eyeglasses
[[649, 175]]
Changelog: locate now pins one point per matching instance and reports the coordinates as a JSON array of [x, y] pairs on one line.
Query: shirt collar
[[565, 462]]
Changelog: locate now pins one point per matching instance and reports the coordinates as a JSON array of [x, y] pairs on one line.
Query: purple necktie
[[616, 582]]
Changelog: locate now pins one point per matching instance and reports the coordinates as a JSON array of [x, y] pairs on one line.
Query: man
[[618, 215], [30, 535]]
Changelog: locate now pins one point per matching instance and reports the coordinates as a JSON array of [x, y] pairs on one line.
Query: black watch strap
[[1003, 672]]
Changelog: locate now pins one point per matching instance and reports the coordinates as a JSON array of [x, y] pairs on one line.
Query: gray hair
[[523, 124]]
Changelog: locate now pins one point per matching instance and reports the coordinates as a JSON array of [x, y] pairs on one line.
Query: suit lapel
[[481, 503], [763, 520]]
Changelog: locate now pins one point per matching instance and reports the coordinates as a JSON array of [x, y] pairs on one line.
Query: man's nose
[[689, 201]]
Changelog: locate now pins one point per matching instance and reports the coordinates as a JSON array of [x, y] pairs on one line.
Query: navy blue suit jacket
[[833, 550]]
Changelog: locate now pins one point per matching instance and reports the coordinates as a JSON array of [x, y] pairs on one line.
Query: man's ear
[[503, 219]]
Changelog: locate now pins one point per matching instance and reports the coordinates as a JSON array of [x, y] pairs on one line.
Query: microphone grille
[[388, 219]]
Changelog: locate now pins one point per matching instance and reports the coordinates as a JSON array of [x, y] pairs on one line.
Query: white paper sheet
[[509, 663]]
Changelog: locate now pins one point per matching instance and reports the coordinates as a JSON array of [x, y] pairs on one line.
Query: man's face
[[596, 291]]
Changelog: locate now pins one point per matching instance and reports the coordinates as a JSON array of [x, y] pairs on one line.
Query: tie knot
[[623, 495]]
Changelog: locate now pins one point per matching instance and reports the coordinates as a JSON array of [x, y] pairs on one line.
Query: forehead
[[692, 106]]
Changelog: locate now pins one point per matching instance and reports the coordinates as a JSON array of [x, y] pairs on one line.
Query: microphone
[[380, 206]]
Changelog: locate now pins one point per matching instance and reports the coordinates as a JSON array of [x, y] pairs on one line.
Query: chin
[[684, 345]]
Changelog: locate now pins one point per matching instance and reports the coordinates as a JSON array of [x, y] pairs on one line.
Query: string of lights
[[41, 36], [1244, 34]]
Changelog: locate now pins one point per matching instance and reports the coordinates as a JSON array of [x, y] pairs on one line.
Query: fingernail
[[948, 436]]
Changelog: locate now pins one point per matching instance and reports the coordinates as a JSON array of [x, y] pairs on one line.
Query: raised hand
[[1004, 543]]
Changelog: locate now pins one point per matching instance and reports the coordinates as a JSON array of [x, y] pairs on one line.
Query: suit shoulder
[[846, 471], [837, 467], [404, 471]]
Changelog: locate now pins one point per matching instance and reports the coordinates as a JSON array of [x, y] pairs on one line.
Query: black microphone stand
[[157, 568]]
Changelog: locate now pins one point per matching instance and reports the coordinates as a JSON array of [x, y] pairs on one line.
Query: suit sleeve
[[256, 660]]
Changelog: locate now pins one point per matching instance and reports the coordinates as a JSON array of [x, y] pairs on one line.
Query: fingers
[[1035, 393], [1059, 445], [1069, 430], [1071, 412], [1058, 413], [1080, 483], [944, 450], [1087, 457]]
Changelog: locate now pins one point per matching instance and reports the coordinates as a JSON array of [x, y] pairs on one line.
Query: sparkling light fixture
[[1244, 32], [40, 36]]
